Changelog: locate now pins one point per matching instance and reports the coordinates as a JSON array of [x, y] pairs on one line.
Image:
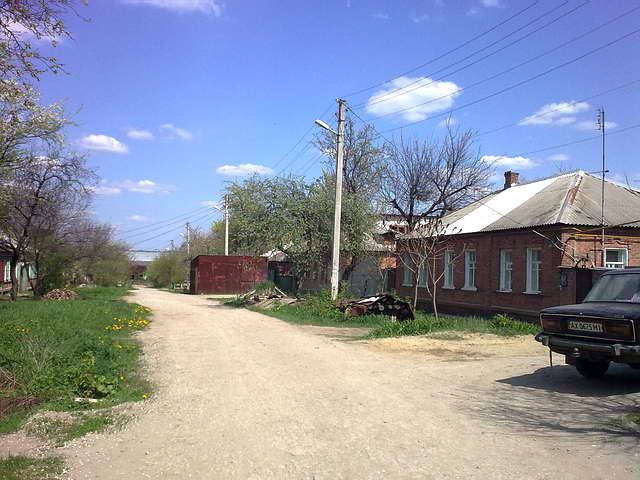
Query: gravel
[[243, 396]]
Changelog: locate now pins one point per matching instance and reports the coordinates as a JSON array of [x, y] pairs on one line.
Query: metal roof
[[572, 199]]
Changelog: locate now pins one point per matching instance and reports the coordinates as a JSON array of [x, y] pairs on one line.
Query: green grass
[[28, 468], [78, 425], [59, 350], [428, 324]]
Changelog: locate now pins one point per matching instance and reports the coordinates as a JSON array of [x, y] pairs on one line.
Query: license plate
[[585, 326]]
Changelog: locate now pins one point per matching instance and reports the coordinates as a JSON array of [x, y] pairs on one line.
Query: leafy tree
[[292, 216], [23, 23], [170, 267]]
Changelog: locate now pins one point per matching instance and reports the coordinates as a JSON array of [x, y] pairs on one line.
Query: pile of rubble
[[377, 305], [61, 294]]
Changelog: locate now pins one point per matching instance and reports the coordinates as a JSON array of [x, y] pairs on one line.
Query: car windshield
[[616, 288]]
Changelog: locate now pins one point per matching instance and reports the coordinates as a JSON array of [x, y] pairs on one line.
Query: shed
[[227, 274]]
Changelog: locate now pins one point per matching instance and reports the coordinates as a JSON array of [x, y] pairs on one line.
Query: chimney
[[510, 179]]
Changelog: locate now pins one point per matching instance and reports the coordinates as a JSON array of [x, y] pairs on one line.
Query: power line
[[154, 229], [405, 90], [162, 221], [585, 99], [455, 49], [532, 59], [518, 84], [207, 216]]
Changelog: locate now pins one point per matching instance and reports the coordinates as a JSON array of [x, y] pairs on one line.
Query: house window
[[533, 270], [470, 270], [423, 274], [506, 266], [616, 257], [448, 270], [407, 278], [7, 272]]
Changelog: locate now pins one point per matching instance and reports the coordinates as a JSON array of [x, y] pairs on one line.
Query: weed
[[28, 468], [59, 350], [62, 430]]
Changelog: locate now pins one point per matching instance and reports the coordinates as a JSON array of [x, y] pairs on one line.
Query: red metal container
[[227, 274]]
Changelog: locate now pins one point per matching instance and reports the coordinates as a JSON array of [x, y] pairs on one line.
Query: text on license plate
[[585, 326]]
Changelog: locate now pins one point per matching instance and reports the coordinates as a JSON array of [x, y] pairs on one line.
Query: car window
[[616, 288]]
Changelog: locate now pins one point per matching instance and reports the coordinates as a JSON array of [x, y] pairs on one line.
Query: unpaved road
[[244, 396]]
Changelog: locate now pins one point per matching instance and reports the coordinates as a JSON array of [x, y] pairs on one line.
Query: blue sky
[[175, 97]]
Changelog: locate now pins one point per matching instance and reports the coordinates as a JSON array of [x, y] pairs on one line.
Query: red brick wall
[[487, 299]]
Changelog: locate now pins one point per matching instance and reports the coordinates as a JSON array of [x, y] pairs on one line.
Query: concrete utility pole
[[335, 266], [601, 126], [188, 241], [226, 225]]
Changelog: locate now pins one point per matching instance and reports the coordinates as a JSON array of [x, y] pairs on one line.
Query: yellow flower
[[144, 395]]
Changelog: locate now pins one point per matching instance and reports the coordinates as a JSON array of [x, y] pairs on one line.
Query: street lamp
[[335, 265]]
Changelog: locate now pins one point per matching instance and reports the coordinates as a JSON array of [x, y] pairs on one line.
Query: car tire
[[590, 369]]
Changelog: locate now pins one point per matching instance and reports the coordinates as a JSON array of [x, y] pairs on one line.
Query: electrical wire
[[518, 84], [504, 72], [405, 89], [455, 49], [163, 221], [207, 216], [155, 229]]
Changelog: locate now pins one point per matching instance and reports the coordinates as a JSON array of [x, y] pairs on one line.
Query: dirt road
[[244, 396]]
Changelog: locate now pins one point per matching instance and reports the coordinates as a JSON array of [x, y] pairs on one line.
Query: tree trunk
[[433, 291], [348, 269], [14, 277], [415, 293]]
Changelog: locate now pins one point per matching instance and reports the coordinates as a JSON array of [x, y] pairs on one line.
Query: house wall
[[558, 285], [587, 243]]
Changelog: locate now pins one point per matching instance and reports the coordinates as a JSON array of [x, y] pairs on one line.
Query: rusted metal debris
[[378, 305]]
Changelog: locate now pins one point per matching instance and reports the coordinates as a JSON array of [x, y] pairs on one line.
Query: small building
[[530, 246], [139, 261], [230, 274]]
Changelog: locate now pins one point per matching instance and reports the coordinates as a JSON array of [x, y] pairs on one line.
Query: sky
[[173, 98]]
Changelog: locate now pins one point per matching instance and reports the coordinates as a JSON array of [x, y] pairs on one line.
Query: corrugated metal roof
[[572, 199]]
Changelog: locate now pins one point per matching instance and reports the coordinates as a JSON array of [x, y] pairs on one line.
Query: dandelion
[[144, 395]]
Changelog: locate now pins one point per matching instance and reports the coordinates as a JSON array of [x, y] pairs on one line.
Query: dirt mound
[[61, 294]]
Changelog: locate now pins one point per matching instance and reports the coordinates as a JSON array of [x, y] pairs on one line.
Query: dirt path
[[244, 396]]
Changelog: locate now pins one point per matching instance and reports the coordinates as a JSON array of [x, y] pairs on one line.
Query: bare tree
[[42, 196], [428, 252], [429, 179]]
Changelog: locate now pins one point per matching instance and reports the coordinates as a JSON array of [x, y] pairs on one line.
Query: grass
[[61, 431], [320, 311], [57, 351], [28, 468], [428, 324]]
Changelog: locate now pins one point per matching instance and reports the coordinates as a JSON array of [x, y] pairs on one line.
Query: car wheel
[[590, 369]]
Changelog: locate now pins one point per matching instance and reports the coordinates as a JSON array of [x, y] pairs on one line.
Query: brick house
[[532, 245]]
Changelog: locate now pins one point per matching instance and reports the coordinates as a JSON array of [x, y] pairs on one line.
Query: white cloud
[[102, 143], [202, 6], [139, 218], [145, 186], [447, 122], [176, 132], [555, 114], [591, 125], [381, 16], [210, 203], [419, 18], [409, 93], [139, 134], [558, 157], [243, 169], [491, 3], [512, 162], [104, 190]]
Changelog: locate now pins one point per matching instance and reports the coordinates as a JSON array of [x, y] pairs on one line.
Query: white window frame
[[423, 274], [470, 270], [407, 273], [533, 271], [448, 270], [506, 271], [625, 258]]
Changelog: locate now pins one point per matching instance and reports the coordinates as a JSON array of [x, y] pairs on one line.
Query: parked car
[[604, 328]]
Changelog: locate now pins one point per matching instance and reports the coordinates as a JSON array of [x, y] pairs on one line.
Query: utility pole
[[226, 225], [188, 242], [601, 126], [335, 267]]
